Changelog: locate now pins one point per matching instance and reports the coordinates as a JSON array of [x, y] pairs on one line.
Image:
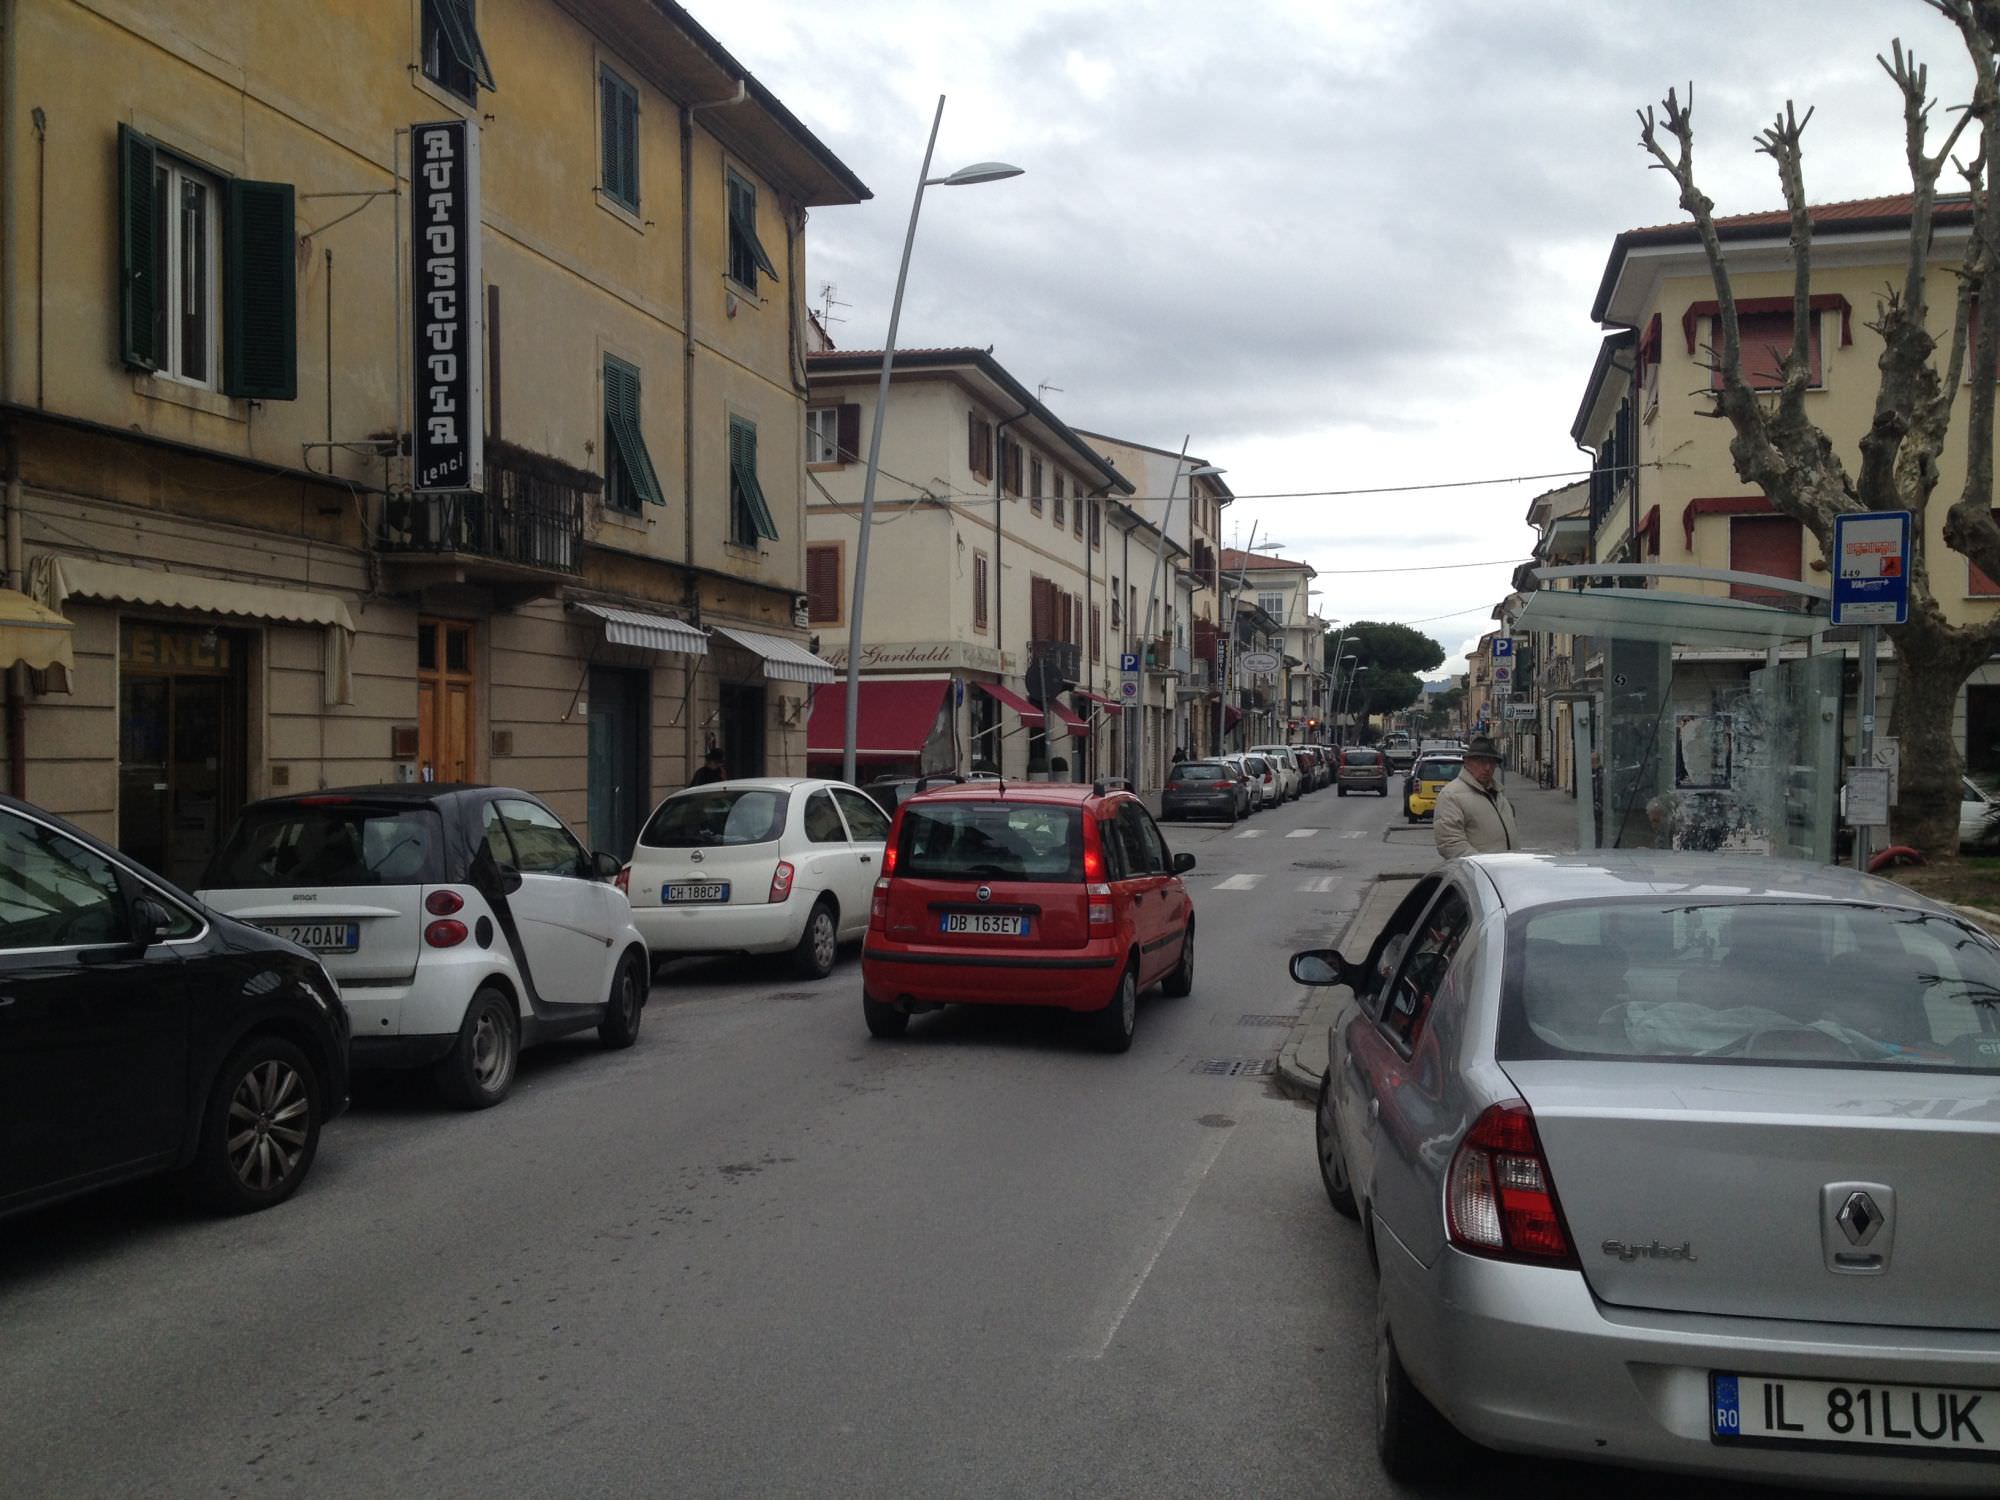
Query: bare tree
[[1796, 464]]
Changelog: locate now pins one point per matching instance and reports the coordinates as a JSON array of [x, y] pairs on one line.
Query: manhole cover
[[1267, 1020], [1319, 864], [793, 995], [1236, 1067]]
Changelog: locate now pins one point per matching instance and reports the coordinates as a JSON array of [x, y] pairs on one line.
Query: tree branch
[[1782, 141]]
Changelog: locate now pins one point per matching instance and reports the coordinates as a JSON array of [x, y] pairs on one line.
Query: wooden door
[[445, 701]]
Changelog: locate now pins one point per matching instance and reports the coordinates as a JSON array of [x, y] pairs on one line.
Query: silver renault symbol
[[1681, 1162]]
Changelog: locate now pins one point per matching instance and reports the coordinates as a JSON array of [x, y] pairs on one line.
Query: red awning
[[892, 721], [1109, 705], [1230, 714], [1030, 715], [1070, 721]]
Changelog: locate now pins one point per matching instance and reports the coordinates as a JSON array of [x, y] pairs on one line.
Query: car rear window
[[1196, 773], [990, 841], [328, 843], [1437, 770], [1362, 758], [705, 818], [1817, 984]]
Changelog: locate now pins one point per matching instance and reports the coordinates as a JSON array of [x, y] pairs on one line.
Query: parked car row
[[1224, 788]]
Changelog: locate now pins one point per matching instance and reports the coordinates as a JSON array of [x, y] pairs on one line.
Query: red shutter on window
[[1765, 544], [1767, 340], [972, 441], [850, 432], [1096, 632], [823, 585], [979, 589], [1075, 621], [1976, 581]]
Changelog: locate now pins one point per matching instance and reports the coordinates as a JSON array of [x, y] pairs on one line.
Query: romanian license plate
[[1781, 1409], [321, 937], [686, 891], [983, 924]]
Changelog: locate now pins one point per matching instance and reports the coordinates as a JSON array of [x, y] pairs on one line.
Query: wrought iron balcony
[[1053, 667], [527, 525]]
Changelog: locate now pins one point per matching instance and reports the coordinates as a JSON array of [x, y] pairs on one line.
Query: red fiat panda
[[1027, 893]]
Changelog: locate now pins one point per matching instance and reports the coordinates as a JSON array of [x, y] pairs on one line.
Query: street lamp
[[1347, 697], [1135, 742], [985, 171]]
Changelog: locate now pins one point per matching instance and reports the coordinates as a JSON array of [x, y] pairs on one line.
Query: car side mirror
[[150, 921], [1183, 863], [1323, 966], [605, 866]]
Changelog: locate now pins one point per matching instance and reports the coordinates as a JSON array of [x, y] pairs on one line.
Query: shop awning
[[1231, 715], [893, 719], [1109, 705], [56, 579], [784, 661], [32, 635], [631, 627], [1070, 722], [1030, 715]]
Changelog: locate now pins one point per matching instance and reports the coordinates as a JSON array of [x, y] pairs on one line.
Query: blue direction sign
[[1871, 575]]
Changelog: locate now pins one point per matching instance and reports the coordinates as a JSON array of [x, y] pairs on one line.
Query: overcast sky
[[1342, 243]]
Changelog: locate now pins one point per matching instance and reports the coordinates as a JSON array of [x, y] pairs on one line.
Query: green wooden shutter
[[607, 132], [138, 256], [260, 336], [756, 520], [620, 131], [621, 413], [461, 36]]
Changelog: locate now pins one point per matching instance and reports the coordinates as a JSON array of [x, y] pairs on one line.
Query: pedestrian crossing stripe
[[1319, 885], [1251, 833], [1302, 833], [1355, 833], [1239, 883]]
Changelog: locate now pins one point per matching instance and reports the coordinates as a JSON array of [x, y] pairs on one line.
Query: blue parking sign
[[1128, 661], [1871, 574], [1503, 647]]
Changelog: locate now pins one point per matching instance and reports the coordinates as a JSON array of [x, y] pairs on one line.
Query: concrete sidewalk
[[1545, 820]]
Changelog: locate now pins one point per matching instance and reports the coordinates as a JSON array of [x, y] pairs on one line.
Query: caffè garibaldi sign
[[448, 421]]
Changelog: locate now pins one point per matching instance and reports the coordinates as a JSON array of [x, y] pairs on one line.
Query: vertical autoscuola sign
[[449, 418]]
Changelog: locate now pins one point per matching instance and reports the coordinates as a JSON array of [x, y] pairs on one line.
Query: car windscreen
[[1436, 770], [708, 817], [1819, 984], [1361, 758], [1203, 772], [990, 841], [331, 842]]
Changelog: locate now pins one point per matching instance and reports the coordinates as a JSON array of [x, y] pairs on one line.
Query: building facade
[[245, 311]]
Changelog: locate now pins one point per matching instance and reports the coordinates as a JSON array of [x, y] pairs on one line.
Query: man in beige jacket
[[1473, 815]]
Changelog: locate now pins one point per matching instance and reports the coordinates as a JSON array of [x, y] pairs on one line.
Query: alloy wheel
[[825, 948], [268, 1117]]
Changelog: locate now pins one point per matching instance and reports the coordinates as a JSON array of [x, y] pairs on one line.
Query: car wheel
[[1112, 1027], [1413, 1441], [884, 1021], [818, 945], [1181, 981], [479, 1070], [261, 1128], [1332, 1164], [627, 1005], [1343, 791], [1230, 822]]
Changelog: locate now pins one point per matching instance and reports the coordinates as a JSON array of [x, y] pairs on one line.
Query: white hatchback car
[[771, 865], [1290, 787], [461, 923]]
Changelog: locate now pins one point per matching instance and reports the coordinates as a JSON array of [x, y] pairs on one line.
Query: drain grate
[[1236, 1067], [793, 995], [1284, 1020], [1319, 864]]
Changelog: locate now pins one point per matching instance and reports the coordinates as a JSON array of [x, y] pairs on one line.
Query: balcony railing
[[529, 518], [1053, 667]]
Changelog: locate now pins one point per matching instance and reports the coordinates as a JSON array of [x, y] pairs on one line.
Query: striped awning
[[31, 634], [784, 661], [630, 627]]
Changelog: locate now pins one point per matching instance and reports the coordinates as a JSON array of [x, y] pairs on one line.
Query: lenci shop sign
[[169, 648], [448, 420]]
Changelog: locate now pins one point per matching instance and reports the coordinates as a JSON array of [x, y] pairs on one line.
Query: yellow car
[[1426, 779]]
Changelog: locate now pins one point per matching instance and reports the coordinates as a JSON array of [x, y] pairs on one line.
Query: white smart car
[[1290, 782], [771, 865]]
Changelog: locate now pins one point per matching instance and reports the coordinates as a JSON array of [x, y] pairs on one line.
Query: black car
[[141, 1032], [1204, 789], [890, 792]]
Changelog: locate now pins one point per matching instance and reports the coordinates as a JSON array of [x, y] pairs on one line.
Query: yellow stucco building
[[216, 257]]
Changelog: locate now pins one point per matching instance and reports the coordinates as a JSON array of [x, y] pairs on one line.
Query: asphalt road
[[760, 1254]]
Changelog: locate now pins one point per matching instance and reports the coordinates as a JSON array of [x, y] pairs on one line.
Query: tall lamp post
[[985, 171], [1135, 742], [1347, 697]]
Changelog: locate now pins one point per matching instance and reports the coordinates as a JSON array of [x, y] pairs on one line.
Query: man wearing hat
[[1473, 815], [711, 769]]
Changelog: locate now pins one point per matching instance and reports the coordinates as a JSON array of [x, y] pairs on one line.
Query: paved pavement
[[1546, 820], [760, 1254]]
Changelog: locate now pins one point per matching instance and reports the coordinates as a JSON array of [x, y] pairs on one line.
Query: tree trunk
[[1929, 674]]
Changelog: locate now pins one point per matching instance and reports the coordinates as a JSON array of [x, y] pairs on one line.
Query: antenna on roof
[[1045, 386], [828, 302]]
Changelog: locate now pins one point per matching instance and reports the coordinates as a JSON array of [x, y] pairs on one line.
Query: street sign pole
[[1863, 833], [1871, 588]]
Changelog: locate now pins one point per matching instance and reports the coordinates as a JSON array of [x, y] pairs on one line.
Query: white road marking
[[1355, 833], [1302, 833], [1251, 833], [1190, 1187], [1239, 883], [1319, 885]]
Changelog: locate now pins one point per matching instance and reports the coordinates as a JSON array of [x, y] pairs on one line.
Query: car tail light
[[878, 908], [1173, 786], [889, 860], [1100, 904], [446, 933], [781, 881], [1093, 850], [1500, 1197], [444, 903], [623, 880]]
